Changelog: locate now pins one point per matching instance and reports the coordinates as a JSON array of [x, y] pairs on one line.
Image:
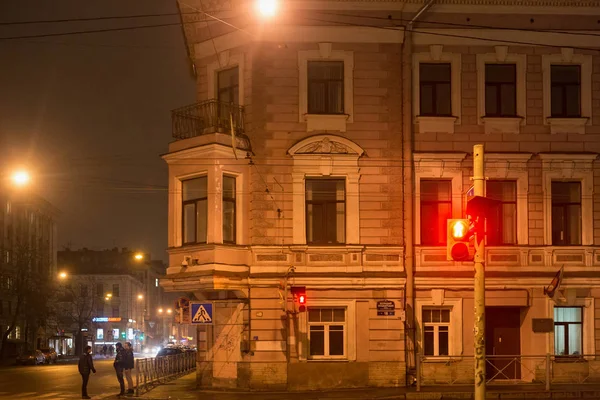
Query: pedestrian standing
[[111, 350], [119, 365], [104, 350], [129, 365], [86, 365]]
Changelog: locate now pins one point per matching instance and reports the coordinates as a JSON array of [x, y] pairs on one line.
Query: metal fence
[[545, 371], [154, 371], [207, 117]]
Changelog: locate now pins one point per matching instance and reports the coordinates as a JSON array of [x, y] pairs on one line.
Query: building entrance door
[[503, 338]]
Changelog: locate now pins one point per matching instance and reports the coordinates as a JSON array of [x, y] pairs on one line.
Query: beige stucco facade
[[383, 148]]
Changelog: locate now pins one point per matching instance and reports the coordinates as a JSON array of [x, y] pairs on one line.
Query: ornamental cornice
[[527, 3]]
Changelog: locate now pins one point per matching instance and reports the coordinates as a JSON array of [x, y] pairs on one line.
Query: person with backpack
[[86, 366]]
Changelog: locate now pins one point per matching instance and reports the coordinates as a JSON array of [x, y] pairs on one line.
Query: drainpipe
[[407, 177]]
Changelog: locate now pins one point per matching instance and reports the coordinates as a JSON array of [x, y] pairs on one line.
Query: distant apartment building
[[27, 268], [329, 147], [132, 288]]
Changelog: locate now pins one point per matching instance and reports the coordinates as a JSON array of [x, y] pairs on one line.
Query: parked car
[[33, 357], [50, 355], [169, 351]]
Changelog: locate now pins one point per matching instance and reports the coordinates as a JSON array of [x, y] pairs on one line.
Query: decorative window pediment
[[326, 144], [326, 156]]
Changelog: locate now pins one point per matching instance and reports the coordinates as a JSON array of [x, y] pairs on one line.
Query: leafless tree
[[27, 285], [76, 303]]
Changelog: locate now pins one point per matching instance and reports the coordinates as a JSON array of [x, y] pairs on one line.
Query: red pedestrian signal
[[299, 293], [459, 236]]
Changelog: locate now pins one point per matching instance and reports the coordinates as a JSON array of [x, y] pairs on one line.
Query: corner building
[[310, 197]]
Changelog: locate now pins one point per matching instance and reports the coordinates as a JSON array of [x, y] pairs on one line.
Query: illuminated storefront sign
[[106, 319]]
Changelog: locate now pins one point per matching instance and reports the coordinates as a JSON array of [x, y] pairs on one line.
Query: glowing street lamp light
[[62, 275], [267, 8], [140, 296], [21, 178], [139, 256], [160, 310], [169, 311]]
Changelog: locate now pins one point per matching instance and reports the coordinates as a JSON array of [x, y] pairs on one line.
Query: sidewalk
[[184, 388]]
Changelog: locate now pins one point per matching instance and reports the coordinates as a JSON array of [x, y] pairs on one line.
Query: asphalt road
[[57, 382]]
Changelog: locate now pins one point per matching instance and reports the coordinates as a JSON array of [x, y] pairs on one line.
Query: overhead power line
[[222, 20]]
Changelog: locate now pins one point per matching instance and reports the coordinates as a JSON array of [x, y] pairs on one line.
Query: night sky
[[89, 115]]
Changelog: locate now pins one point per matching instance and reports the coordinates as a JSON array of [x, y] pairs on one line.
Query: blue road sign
[[202, 313]]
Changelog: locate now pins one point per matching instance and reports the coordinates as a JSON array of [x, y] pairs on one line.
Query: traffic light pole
[[479, 284]]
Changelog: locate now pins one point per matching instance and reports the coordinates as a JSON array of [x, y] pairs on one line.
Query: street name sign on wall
[[201, 313], [386, 308]]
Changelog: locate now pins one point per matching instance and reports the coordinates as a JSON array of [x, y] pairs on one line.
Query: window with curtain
[[325, 211], [565, 91], [566, 213], [436, 331], [501, 228], [195, 210], [568, 331], [327, 332], [435, 94], [325, 87], [229, 209], [500, 90], [436, 209]]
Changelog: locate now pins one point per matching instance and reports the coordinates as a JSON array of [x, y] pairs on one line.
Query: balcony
[[208, 118]]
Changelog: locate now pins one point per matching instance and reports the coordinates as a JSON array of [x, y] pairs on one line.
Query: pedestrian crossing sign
[[202, 313]]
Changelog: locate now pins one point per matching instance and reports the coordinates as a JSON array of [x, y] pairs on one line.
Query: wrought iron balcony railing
[[207, 117]]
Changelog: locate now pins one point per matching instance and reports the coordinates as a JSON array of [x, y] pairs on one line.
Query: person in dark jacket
[[86, 366], [119, 365], [129, 365]]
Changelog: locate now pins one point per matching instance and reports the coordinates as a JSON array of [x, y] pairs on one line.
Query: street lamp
[[140, 296], [139, 256], [108, 296], [160, 310], [169, 311], [20, 178], [267, 8], [62, 275]]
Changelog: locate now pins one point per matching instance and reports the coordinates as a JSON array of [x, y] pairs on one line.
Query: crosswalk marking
[[48, 395]]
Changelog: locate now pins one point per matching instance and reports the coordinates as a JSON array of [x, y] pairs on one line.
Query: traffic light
[[299, 294], [459, 234]]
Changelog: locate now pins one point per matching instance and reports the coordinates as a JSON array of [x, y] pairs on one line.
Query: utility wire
[[126, 28], [448, 34], [466, 26], [223, 20], [35, 36]]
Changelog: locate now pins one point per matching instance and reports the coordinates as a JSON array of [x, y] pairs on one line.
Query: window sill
[[567, 125], [328, 360], [438, 359], [502, 124], [331, 122], [430, 124]]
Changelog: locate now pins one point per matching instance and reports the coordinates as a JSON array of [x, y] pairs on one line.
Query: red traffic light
[[302, 299], [458, 236]]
